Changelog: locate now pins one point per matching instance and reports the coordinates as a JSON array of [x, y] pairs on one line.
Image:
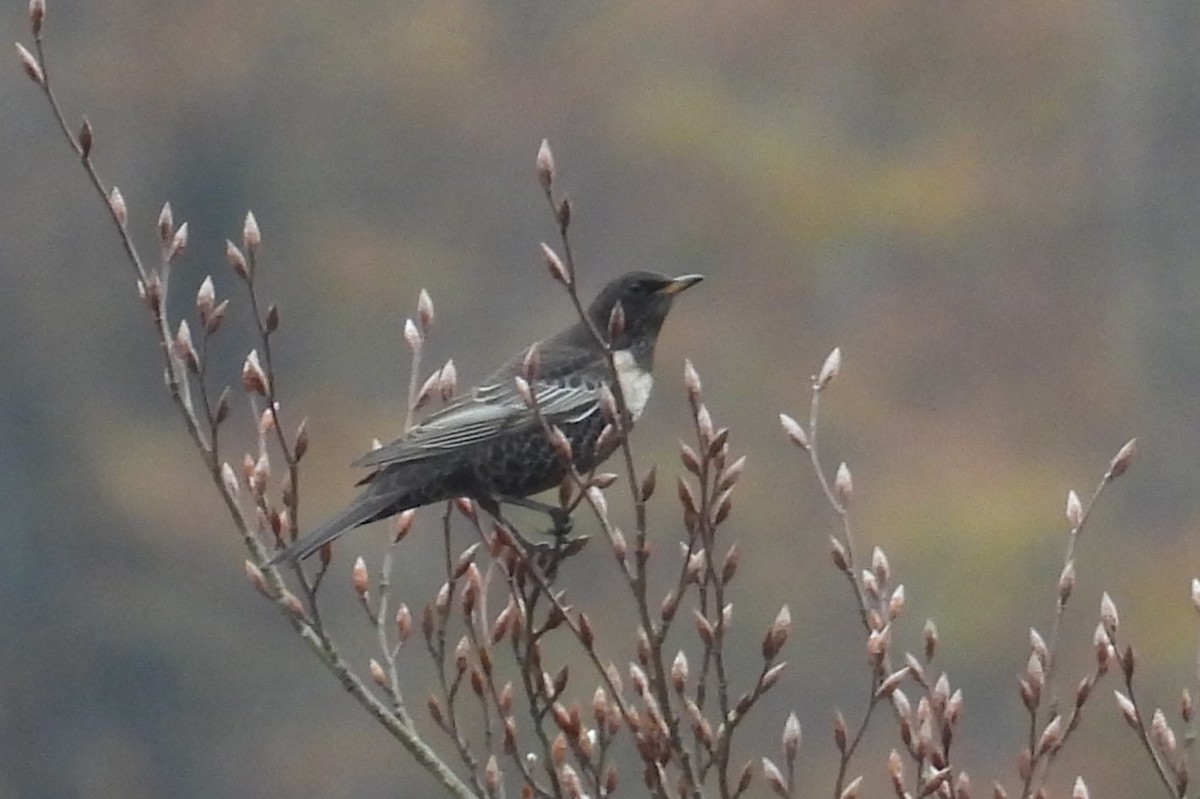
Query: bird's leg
[[549, 554], [564, 546], [492, 506], [560, 517]]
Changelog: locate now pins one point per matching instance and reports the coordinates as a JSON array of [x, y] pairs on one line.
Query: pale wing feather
[[489, 411]]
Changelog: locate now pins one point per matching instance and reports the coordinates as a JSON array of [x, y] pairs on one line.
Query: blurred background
[[991, 208]]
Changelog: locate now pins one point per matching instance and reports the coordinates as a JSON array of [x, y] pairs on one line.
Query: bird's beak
[[679, 284]]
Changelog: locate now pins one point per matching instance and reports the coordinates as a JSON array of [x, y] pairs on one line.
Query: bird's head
[[645, 299]]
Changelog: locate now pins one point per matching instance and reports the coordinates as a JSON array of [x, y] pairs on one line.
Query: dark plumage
[[488, 445]]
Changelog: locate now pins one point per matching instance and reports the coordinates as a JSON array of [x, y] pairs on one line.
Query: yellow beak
[[679, 284]]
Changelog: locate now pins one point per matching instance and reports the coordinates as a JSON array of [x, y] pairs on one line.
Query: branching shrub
[[508, 713]]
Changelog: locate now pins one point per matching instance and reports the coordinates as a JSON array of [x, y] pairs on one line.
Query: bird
[[490, 446]]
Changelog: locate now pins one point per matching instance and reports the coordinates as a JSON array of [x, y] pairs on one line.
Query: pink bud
[[844, 484], [358, 576], [830, 369], [1120, 462], [30, 65], [791, 737], [545, 165], [206, 299], [87, 136], [37, 14], [116, 202], [794, 431], [413, 335], [523, 391], [448, 381], [166, 224], [425, 310], [1108, 615], [255, 576], [1074, 510], [178, 242], [229, 480], [691, 381], [251, 235], [774, 778], [679, 671], [254, 379], [183, 348], [377, 674], [531, 363], [558, 270], [236, 260], [403, 623]]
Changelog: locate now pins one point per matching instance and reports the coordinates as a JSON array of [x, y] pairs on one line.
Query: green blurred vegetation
[[990, 207]]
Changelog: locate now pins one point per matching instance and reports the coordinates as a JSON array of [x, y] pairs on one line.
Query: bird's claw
[[563, 523]]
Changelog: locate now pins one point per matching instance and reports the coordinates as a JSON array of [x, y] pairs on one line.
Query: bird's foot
[[562, 521]]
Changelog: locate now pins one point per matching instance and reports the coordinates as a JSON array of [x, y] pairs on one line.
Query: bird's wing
[[486, 412]]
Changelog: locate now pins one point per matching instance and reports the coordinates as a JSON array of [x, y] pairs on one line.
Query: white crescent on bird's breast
[[635, 382]]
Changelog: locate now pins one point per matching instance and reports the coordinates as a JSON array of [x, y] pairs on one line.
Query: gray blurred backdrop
[[991, 207]]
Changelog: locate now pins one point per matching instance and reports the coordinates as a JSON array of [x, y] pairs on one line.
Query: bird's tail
[[371, 505]]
